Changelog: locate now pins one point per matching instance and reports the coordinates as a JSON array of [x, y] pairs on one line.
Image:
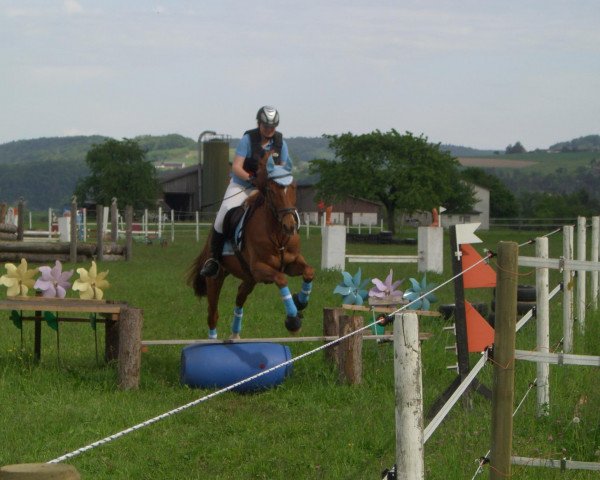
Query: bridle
[[281, 213]]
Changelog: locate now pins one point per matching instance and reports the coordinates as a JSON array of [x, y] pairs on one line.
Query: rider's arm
[[238, 168]]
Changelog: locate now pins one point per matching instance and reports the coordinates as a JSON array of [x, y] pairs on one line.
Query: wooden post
[[73, 243], [37, 336], [128, 232], [114, 221], [504, 361], [543, 328], [350, 350], [197, 226], [581, 274], [111, 340], [20, 219], [130, 347], [567, 290], [99, 232], [594, 258], [331, 327], [39, 471], [409, 398]]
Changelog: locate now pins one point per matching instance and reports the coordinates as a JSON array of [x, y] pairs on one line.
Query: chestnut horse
[[270, 251]]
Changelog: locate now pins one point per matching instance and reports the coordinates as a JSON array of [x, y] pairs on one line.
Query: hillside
[[45, 170]]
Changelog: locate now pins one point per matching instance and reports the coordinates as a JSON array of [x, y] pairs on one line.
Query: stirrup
[[211, 268]]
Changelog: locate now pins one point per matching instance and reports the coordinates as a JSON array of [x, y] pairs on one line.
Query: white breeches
[[234, 196]]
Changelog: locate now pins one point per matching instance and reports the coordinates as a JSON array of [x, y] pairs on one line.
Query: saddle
[[233, 228]]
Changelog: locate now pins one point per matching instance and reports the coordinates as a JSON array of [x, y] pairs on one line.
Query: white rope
[[110, 438]]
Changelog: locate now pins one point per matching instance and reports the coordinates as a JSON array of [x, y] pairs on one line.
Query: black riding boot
[[211, 267]]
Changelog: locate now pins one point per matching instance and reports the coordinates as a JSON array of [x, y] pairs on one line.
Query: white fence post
[[543, 328], [49, 223], [409, 398], [595, 246], [172, 225], [160, 222], [581, 274], [567, 290], [197, 226]]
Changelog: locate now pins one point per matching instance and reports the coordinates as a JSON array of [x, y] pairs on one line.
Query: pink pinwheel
[[54, 282], [387, 289]]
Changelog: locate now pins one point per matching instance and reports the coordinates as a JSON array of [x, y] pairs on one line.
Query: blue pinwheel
[[351, 288], [418, 290]]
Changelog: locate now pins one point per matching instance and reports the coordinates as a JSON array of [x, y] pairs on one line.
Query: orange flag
[[480, 276], [479, 332]]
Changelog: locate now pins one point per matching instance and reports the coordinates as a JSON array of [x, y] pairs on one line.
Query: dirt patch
[[494, 162]]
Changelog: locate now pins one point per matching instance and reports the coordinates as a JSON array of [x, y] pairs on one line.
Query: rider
[[251, 148]]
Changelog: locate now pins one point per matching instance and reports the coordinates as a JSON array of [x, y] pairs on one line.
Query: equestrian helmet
[[268, 116]]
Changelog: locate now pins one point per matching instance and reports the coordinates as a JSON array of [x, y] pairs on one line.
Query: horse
[[270, 251]]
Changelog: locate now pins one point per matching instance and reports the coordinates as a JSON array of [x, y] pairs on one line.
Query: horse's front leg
[[244, 290], [266, 274], [300, 267]]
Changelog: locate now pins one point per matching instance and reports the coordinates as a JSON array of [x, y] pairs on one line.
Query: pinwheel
[[91, 284], [386, 290], [418, 296], [352, 289], [54, 282], [18, 279]]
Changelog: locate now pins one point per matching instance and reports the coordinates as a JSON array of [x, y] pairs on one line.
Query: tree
[[503, 204], [403, 172], [119, 169], [516, 148]]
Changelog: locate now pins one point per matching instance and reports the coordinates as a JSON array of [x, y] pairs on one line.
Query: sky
[[477, 73]]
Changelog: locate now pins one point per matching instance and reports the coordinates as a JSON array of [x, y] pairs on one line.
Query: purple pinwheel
[[387, 290], [54, 282]]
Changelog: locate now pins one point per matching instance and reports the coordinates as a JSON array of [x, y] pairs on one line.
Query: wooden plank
[[382, 258], [378, 309], [562, 464], [60, 305], [558, 358], [557, 264], [323, 338]]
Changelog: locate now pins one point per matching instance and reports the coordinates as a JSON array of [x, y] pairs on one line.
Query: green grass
[[309, 427], [547, 163]]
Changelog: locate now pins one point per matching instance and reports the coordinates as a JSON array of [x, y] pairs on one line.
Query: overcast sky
[[467, 72]]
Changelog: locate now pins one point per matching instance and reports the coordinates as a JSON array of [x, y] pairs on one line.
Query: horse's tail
[[194, 279]]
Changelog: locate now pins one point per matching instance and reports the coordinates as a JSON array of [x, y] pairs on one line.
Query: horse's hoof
[[299, 305], [293, 324], [234, 336]]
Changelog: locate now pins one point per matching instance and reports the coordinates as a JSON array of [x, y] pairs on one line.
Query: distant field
[[539, 162], [494, 162]]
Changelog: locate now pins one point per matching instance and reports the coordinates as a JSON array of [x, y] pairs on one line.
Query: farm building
[[353, 210], [199, 187], [480, 213]]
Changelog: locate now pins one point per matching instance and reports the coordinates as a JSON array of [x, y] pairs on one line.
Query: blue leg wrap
[[286, 296], [212, 333], [304, 294], [236, 324]]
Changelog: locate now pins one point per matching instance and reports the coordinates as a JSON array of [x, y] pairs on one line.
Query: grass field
[[308, 428]]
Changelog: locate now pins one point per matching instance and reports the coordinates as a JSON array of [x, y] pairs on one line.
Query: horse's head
[[277, 185]]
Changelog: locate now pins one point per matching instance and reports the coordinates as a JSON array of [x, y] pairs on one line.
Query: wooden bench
[[123, 328]]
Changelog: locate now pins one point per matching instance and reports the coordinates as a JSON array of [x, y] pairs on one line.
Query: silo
[[215, 172]]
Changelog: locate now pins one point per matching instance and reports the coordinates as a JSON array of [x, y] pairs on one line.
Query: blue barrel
[[223, 364]]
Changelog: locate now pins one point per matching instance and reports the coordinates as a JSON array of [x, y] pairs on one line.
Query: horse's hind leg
[[213, 290], [244, 290]]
